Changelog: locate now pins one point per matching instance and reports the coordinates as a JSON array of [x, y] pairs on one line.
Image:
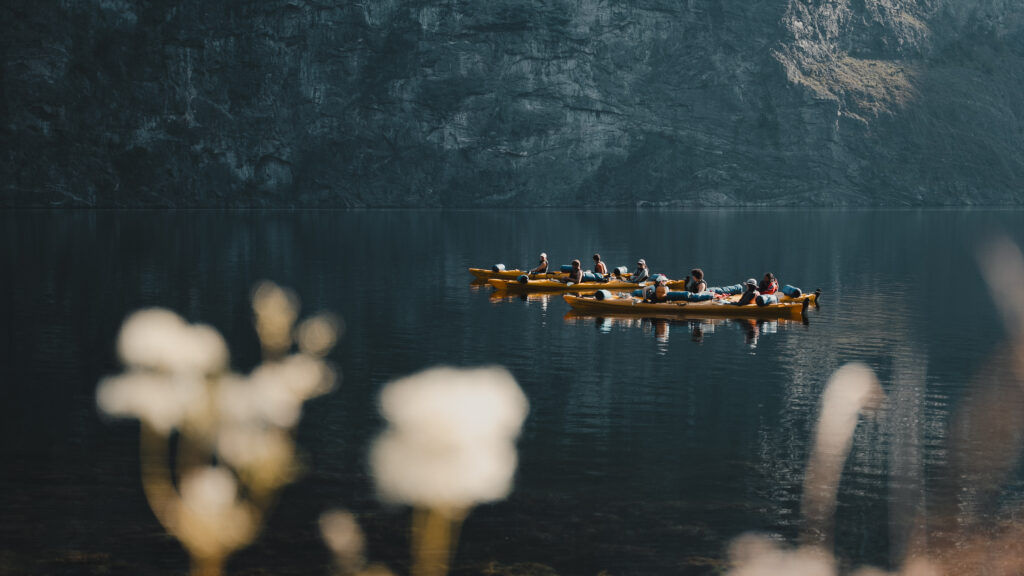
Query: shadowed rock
[[511, 102]]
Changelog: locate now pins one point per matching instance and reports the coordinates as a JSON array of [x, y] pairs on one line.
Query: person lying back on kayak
[[769, 285], [576, 274], [695, 282], [659, 293], [599, 267], [641, 274], [750, 294], [543, 266]]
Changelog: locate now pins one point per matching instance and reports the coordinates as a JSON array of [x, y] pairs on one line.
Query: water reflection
[[967, 520], [538, 298], [629, 446], [697, 329]]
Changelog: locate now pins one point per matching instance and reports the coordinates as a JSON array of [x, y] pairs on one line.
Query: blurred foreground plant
[[450, 445], [985, 444], [233, 434]]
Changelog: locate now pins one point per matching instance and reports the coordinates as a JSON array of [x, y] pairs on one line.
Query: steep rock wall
[[511, 102]]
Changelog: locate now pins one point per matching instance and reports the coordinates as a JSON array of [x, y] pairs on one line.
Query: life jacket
[[694, 284], [748, 297], [770, 288]]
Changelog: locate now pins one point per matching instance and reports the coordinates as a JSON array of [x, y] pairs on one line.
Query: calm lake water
[[649, 445]]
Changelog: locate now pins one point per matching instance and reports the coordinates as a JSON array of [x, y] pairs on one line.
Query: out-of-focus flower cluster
[[449, 445], [451, 437], [233, 432]]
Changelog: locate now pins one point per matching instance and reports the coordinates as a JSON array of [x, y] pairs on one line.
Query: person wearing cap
[[657, 293], [599, 267], [642, 273], [543, 266], [769, 285], [751, 293], [575, 275], [695, 282]]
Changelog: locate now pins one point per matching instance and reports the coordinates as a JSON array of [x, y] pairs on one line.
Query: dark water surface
[[648, 447]]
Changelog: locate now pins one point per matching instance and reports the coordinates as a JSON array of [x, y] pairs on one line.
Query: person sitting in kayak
[[750, 294], [695, 282], [769, 285], [641, 274], [659, 293], [542, 268], [576, 274], [599, 267]]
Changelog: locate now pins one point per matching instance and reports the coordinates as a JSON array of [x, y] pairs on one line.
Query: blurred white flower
[[451, 437], [1003, 267], [276, 310], [177, 379], [456, 405], [210, 519], [318, 334], [851, 389], [159, 400], [430, 474], [275, 391], [303, 375], [342, 534], [159, 339], [258, 399], [262, 456]]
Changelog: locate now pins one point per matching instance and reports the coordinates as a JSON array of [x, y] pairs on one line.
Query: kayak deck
[[556, 286]]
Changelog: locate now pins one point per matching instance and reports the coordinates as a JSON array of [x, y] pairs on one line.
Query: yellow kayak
[[553, 285], [789, 308], [487, 274]]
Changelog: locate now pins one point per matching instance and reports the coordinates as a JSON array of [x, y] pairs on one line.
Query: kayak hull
[[553, 285], [794, 308], [487, 274]]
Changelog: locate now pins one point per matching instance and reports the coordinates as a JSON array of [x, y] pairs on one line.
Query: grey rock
[[511, 103]]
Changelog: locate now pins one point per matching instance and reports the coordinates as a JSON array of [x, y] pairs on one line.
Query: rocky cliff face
[[511, 102]]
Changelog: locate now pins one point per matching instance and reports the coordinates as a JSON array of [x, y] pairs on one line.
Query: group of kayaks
[[618, 296]]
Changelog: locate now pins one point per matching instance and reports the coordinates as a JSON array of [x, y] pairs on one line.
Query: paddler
[[599, 267], [658, 292], [751, 293], [695, 282], [542, 268], [642, 273], [769, 285], [575, 275]]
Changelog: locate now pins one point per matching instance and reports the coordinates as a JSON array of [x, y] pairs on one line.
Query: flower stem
[[156, 475], [207, 566], [432, 541]]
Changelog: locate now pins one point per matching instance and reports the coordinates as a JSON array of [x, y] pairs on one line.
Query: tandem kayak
[[556, 286], [789, 308], [487, 274]]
